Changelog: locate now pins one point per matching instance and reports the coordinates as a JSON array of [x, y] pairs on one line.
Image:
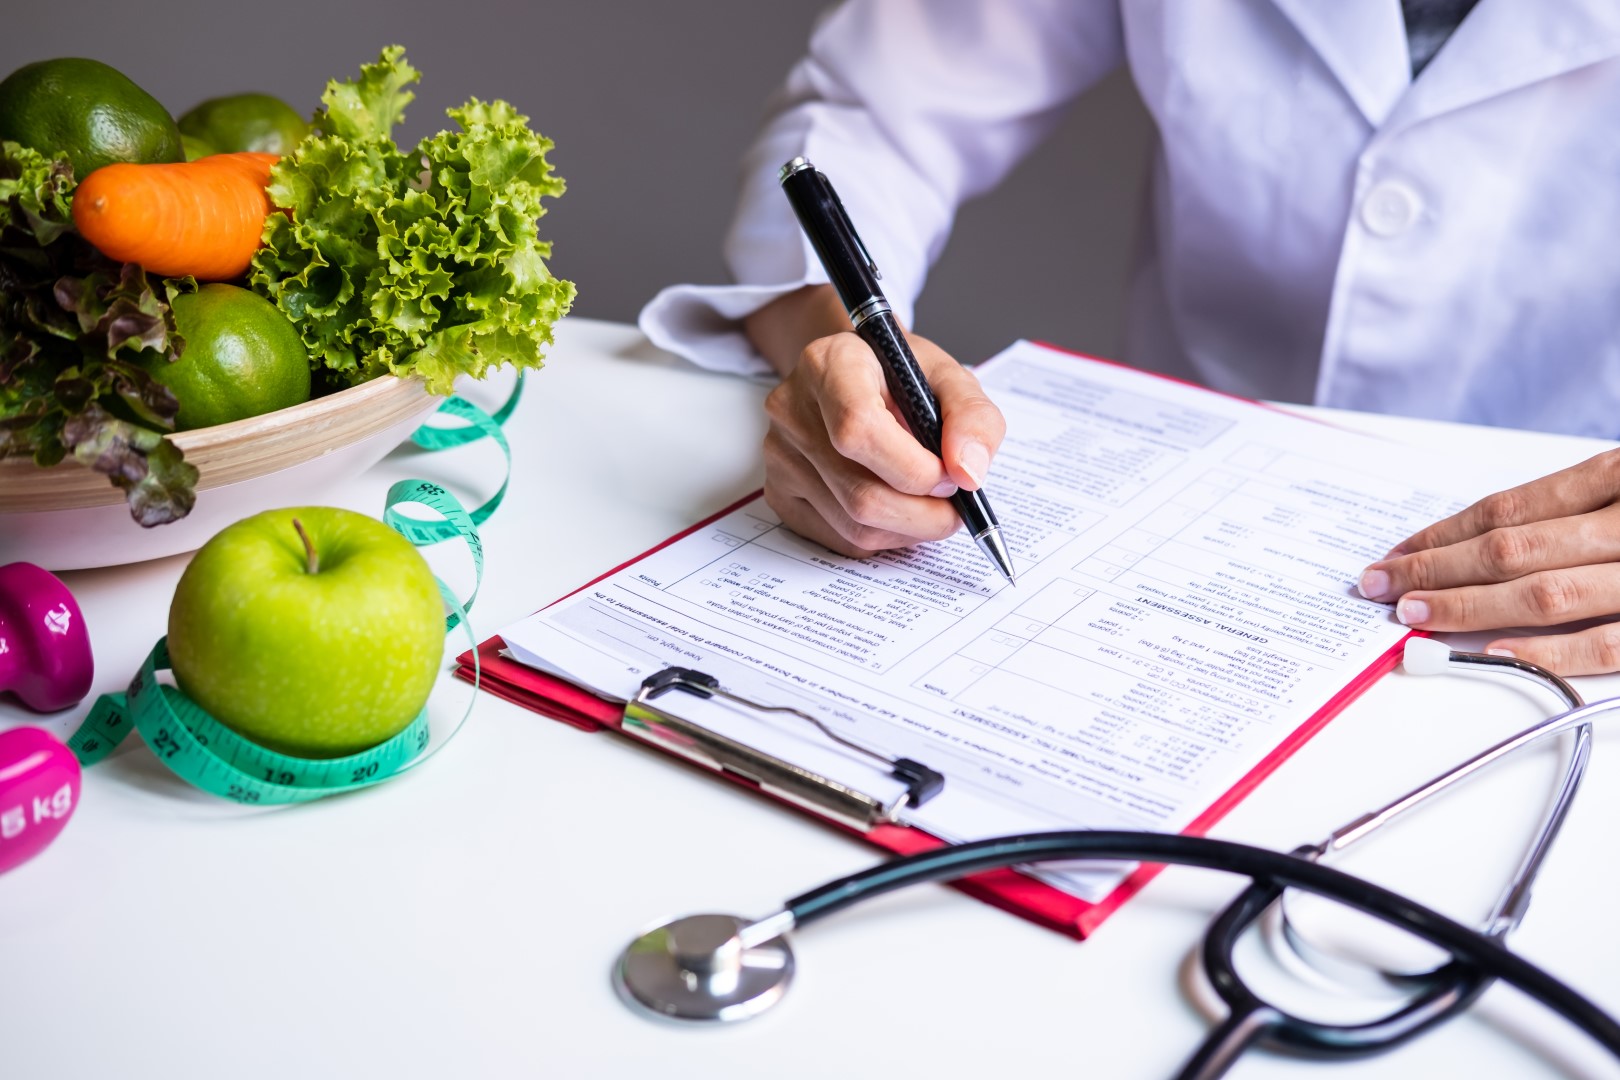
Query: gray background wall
[[621, 85]]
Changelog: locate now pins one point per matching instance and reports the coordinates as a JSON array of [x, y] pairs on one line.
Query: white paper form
[[1186, 567]]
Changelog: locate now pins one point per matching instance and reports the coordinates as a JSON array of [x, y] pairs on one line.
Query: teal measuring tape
[[453, 518], [210, 756], [480, 425]]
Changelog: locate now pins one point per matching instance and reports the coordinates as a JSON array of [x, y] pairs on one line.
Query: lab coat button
[[1389, 209]]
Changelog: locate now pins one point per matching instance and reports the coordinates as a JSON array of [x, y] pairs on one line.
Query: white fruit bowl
[[70, 517]]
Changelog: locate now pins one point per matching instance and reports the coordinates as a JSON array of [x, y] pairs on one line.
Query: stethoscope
[[724, 968]]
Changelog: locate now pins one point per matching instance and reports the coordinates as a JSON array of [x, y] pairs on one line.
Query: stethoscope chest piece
[[698, 968]]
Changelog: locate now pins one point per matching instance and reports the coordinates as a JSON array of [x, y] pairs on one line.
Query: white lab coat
[[1321, 227]]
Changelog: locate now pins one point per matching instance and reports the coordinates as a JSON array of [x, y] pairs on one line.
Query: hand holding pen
[[845, 464]]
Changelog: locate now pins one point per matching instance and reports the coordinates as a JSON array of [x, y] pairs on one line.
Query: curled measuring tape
[[209, 755], [479, 425]]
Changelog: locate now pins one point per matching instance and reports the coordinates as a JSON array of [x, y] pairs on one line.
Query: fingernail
[[943, 489], [975, 461], [1412, 612], [1395, 552], [1501, 652], [1373, 584]]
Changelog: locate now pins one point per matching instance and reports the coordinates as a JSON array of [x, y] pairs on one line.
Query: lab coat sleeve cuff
[[703, 324]]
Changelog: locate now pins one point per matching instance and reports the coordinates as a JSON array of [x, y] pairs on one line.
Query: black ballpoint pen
[[853, 273]]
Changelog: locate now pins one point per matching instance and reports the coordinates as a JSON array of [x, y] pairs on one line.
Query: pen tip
[[991, 543]]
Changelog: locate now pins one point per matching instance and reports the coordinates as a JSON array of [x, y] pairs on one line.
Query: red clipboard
[[1008, 890]]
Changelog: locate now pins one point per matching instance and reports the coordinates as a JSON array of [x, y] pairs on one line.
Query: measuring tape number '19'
[[211, 756]]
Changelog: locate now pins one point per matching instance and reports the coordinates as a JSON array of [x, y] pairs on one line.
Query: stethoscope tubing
[[1250, 1019], [1490, 957]]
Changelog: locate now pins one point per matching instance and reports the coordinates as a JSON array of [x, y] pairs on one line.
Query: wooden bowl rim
[[288, 437], [220, 435]]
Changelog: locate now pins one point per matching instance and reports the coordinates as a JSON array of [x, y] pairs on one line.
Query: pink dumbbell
[[39, 787], [44, 648]]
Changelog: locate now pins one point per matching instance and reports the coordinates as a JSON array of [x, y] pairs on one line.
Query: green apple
[[314, 631]]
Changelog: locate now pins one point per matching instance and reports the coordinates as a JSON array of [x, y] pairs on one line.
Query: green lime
[[245, 122], [242, 358], [195, 147], [89, 111]]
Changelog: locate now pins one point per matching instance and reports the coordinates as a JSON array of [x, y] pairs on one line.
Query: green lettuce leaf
[[369, 107], [425, 262]]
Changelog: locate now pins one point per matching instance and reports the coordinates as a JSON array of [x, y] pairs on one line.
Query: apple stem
[[311, 560]]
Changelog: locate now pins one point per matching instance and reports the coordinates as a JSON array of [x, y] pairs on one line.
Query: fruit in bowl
[[243, 358], [420, 264], [242, 123], [88, 111]]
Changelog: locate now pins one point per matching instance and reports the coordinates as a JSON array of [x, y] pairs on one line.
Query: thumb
[[971, 426]]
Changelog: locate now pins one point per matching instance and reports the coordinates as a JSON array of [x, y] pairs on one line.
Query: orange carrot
[[198, 217]]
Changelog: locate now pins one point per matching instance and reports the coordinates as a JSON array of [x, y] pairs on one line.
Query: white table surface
[[462, 920]]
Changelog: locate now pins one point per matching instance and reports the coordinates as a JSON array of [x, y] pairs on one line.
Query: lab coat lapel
[[1363, 43], [1506, 44]]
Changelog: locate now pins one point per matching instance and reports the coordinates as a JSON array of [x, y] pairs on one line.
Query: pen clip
[[860, 244]]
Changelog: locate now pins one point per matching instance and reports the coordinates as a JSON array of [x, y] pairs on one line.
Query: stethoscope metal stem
[[1513, 904], [769, 928], [1350, 833]]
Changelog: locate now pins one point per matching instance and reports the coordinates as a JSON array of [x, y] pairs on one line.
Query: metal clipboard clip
[[785, 780]]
